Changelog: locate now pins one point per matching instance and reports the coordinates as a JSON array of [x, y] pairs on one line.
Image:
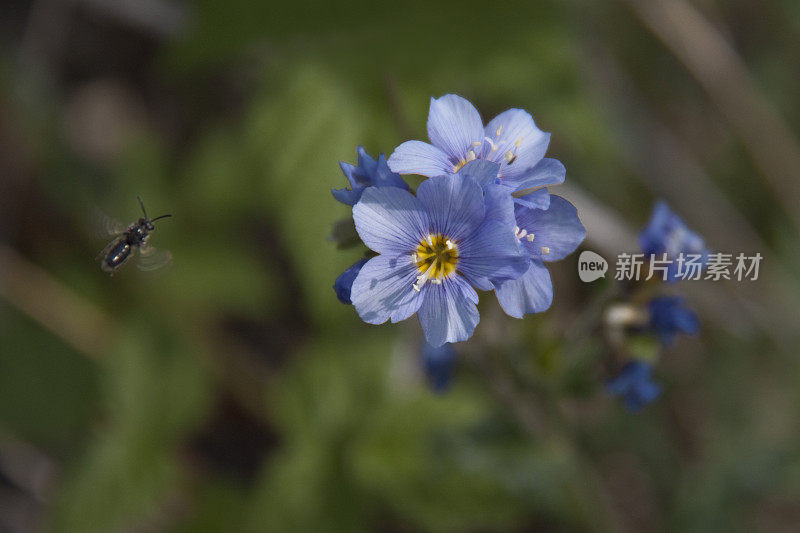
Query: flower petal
[[347, 196], [384, 177], [498, 206], [556, 231], [344, 283], [417, 157], [492, 252], [368, 173], [453, 125], [531, 293], [454, 205], [383, 290], [546, 172], [536, 200], [518, 135], [449, 313], [390, 220], [482, 171], [367, 165], [438, 363]]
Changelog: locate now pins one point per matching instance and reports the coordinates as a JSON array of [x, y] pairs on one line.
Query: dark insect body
[[130, 239]]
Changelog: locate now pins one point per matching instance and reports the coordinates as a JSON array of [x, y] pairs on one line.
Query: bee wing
[[106, 226], [152, 259]]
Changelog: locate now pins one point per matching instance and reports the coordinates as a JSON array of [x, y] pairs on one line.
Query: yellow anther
[[436, 258]]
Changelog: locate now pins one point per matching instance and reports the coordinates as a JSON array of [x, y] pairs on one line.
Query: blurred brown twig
[[36, 293], [712, 60]]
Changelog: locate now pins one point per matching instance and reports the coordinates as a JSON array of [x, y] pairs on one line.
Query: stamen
[[470, 156], [491, 143], [499, 131], [436, 258], [518, 142], [476, 143], [423, 278], [510, 157], [545, 250], [530, 237]]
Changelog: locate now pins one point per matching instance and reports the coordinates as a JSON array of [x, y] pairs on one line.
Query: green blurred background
[[233, 392]]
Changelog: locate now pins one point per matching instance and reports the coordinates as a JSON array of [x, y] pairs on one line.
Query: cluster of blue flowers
[[667, 316], [483, 219]]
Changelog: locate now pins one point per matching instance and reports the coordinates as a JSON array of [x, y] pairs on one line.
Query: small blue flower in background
[[433, 249], [667, 233], [457, 135], [670, 316], [438, 364], [635, 385], [344, 283], [368, 173]]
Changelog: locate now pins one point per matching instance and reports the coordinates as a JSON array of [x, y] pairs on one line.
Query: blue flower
[[458, 136], [368, 173], [635, 386], [438, 364], [670, 316], [667, 233], [344, 283], [548, 229], [433, 249]]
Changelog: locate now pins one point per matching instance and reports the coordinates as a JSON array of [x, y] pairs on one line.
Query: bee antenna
[[162, 216], [142, 204]]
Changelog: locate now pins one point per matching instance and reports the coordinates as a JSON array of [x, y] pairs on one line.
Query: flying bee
[[127, 240]]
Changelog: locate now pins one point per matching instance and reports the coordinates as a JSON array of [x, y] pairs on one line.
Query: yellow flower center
[[436, 257]]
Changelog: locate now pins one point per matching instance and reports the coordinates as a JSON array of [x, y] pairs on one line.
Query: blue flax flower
[[438, 364], [667, 233], [547, 229], [669, 316], [433, 249], [458, 136], [368, 173], [344, 283], [635, 385]]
